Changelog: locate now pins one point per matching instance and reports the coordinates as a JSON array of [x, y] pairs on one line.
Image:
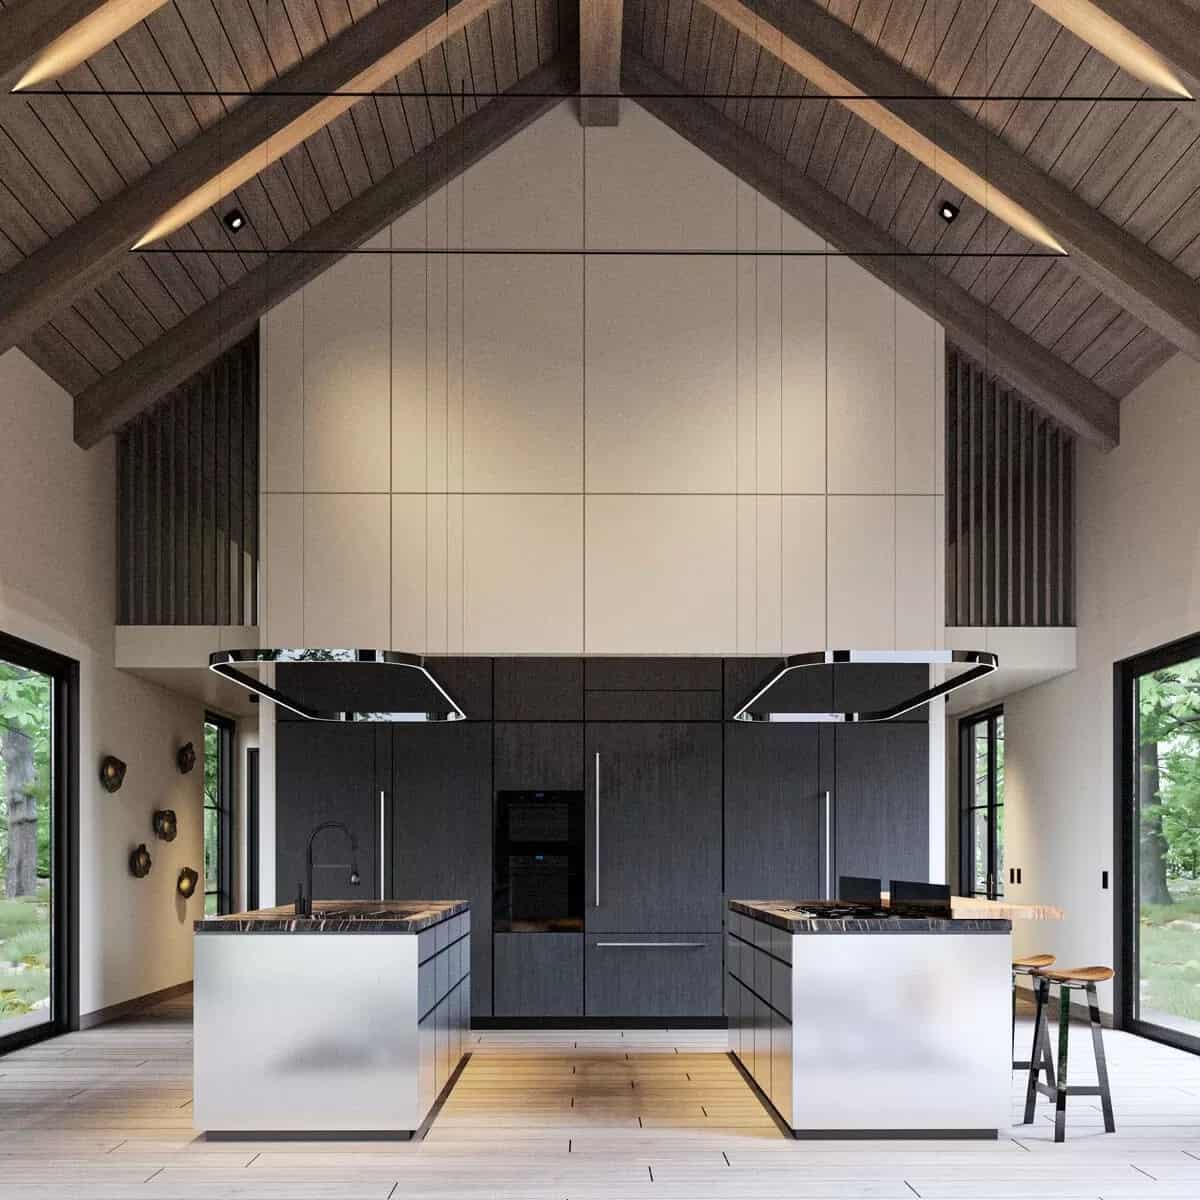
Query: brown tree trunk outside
[[1152, 868], [16, 749]]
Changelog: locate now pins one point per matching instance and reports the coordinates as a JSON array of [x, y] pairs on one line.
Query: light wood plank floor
[[565, 1116]]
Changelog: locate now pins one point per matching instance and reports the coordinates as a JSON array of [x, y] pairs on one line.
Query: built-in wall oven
[[538, 862]]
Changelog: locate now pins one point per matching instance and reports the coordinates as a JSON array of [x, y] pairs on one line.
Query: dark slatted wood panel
[[187, 501], [1009, 505]]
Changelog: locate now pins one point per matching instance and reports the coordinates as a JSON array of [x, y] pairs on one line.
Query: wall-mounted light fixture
[[140, 862], [185, 758], [185, 885], [165, 825], [112, 773]]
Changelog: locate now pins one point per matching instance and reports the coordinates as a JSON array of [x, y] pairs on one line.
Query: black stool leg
[[1101, 1063], [1041, 1038], [1064, 1037], [1013, 1027]]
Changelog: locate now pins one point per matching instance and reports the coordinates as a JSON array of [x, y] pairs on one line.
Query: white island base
[[335, 1032]]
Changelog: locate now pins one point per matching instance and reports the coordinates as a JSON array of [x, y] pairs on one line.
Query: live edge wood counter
[[871, 1027], [351, 1020]]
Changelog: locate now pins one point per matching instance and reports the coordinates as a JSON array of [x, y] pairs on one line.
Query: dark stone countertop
[[339, 916], [779, 914]]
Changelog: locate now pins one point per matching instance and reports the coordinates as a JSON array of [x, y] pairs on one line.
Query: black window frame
[[64, 993], [226, 804], [1126, 840], [967, 806]]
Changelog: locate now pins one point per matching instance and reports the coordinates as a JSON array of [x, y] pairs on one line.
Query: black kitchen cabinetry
[[539, 756], [653, 827], [881, 811], [440, 829], [653, 976], [539, 975], [539, 689]]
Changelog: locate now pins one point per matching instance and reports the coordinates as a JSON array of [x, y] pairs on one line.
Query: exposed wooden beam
[[225, 155], [1156, 41], [950, 142], [57, 35], [599, 61], [1045, 379], [164, 364]]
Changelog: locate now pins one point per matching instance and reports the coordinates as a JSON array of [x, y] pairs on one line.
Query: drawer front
[[653, 975]]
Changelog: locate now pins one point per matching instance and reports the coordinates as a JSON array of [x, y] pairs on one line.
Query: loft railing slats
[[187, 495], [1009, 505]]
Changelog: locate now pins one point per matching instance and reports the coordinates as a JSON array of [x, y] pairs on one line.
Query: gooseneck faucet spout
[[304, 899]]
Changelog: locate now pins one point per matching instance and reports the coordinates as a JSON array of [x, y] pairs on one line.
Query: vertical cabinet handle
[[597, 837], [382, 846], [828, 824]]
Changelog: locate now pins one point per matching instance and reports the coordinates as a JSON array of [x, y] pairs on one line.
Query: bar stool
[[1030, 965], [1068, 980]]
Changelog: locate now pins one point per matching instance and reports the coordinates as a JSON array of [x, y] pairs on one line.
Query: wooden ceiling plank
[[117, 333], [60, 360], [166, 363], [480, 53], [436, 80], [993, 54], [1140, 126], [504, 45], [741, 79], [764, 86], [963, 36], [1108, 344], [416, 107], [1157, 162], [139, 280], [875, 165], [525, 33], [272, 210], [131, 308], [348, 150], [787, 109], [302, 174], [977, 161], [37, 153], [1162, 51], [188, 69], [1069, 116], [1045, 379], [91, 345], [926, 39], [64, 122], [654, 30], [1134, 363], [245, 32], [679, 23], [699, 47], [1086, 328], [135, 114], [898, 178], [1064, 58], [1179, 231], [601, 24], [46, 213], [175, 278], [29, 27], [1033, 42], [547, 29], [140, 51], [93, 248], [720, 65]]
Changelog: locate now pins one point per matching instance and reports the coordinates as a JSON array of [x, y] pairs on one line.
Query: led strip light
[[981, 663], [222, 662]]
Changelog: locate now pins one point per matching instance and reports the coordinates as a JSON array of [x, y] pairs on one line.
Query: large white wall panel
[[528, 194], [862, 572], [803, 565], [649, 189], [918, 553], [523, 408], [409, 575], [917, 400], [347, 368], [410, 349], [346, 578], [862, 381], [661, 574], [660, 395], [281, 373], [283, 570], [523, 581], [804, 374]]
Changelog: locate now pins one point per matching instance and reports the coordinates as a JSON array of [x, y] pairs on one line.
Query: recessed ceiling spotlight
[[234, 220], [947, 211]]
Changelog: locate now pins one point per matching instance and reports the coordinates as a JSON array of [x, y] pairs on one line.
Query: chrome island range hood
[[342, 685], [761, 706]]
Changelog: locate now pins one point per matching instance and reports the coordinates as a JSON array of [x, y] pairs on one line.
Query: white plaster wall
[[1138, 586], [57, 562], [614, 455]]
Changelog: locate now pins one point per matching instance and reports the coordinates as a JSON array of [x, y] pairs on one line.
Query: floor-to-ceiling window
[[981, 789], [1158, 697], [37, 767], [218, 814]]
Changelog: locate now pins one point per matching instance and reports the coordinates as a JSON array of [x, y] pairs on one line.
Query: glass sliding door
[[36, 769], [981, 811], [1159, 698]]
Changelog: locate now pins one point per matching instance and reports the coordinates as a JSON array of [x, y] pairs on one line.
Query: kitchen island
[[350, 1020], [871, 1024]]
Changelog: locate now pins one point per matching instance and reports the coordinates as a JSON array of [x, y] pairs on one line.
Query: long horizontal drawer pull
[[655, 945]]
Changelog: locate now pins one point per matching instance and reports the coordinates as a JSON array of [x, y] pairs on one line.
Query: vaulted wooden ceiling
[[89, 161]]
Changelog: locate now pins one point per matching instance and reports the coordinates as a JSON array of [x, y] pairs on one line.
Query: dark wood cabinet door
[[327, 773], [881, 800], [773, 806], [653, 827], [539, 975], [652, 975], [539, 756], [440, 829], [872, 687], [539, 689]]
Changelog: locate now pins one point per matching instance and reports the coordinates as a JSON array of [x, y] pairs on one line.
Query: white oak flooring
[[585, 1115]]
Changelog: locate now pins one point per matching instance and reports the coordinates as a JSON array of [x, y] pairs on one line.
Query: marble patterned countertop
[[782, 914], [339, 916]]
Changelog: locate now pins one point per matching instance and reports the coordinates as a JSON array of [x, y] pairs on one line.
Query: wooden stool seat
[[1032, 962], [1078, 976], [1068, 980]]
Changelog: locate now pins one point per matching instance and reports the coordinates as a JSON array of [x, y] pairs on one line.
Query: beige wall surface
[[1138, 587], [620, 454], [57, 589]]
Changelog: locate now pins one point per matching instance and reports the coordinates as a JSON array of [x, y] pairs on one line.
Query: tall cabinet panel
[[327, 773], [882, 809], [773, 811], [653, 827], [440, 834]]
